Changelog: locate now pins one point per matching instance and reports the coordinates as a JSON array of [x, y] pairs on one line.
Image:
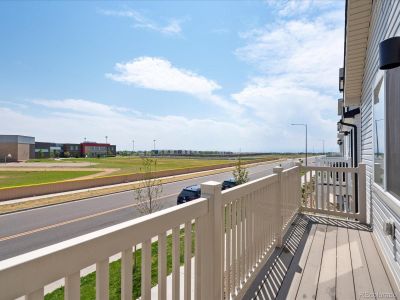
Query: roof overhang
[[358, 15]]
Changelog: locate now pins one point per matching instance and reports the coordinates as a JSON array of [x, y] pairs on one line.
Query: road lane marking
[[10, 237]]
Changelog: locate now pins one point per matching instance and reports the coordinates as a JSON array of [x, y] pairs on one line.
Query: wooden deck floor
[[324, 259]]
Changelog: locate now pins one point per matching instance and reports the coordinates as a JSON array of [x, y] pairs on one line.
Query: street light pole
[[106, 139], [154, 141], [305, 125], [323, 147]]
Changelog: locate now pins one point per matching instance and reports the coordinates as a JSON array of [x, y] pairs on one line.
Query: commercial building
[[16, 148], [21, 148], [47, 150], [93, 149], [72, 150]]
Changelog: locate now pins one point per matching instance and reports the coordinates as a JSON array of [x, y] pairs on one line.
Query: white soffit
[[357, 30]]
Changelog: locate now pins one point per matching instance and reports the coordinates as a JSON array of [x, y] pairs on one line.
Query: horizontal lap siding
[[385, 23]]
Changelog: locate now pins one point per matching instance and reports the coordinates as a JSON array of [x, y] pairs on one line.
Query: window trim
[[389, 199], [380, 78]]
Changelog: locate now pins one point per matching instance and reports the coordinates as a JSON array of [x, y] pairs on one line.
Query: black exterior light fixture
[[339, 139], [389, 53], [341, 79]]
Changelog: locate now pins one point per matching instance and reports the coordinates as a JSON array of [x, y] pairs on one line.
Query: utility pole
[[154, 141]]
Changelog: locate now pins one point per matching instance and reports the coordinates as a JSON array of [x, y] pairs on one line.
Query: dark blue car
[[227, 184], [188, 194]]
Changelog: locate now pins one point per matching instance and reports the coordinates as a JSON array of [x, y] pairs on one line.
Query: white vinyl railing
[[291, 195], [335, 191], [255, 216], [27, 274], [234, 233], [336, 162]]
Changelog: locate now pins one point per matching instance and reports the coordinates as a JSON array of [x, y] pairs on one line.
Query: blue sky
[[194, 75]]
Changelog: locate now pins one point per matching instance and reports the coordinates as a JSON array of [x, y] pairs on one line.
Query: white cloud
[[83, 106], [297, 62], [65, 124], [280, 103], [308, 52], [14, 104], [69, 121], [159, 74], [172, 27], [290, 8]]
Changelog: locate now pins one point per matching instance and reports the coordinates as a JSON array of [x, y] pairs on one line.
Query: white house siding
[[385, 23]]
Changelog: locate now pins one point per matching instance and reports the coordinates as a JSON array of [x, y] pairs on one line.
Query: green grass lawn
[[125, 165], [88, 283], [134, 164], [18, 178]]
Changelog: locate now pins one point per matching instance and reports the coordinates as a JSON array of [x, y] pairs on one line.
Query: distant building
[[72, 150], [92, 149], [21, 148], [16, 148], [47, 150]]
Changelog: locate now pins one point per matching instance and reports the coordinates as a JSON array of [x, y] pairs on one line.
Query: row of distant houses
[[22, 148], [190, 152]]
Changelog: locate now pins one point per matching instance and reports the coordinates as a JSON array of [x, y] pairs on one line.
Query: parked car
[[227, 184], [188, 194]]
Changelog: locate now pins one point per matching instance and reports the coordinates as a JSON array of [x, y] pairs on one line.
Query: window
[[386, 124], [379, 133], [393, 131]]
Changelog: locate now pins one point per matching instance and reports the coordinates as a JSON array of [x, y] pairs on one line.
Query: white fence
[[234, 233], [336, 162], [255, 216], [335, 191]]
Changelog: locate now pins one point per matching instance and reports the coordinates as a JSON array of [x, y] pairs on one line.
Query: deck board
[[327, 277], [362, 280], [309, 280], [344, 271], [325, 259], [275, 275], [379, 278], [292, 283]]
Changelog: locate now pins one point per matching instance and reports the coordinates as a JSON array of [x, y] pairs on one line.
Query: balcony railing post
[[362, 201], [298, 185], [211, 247], [278, 207]]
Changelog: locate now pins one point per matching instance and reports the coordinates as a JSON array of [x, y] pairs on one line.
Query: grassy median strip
[[134, 164], [51, 200], [89, 193], [88, 282], [21, 178]]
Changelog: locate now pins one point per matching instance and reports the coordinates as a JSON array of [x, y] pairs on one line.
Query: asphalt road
[[29, 230]]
